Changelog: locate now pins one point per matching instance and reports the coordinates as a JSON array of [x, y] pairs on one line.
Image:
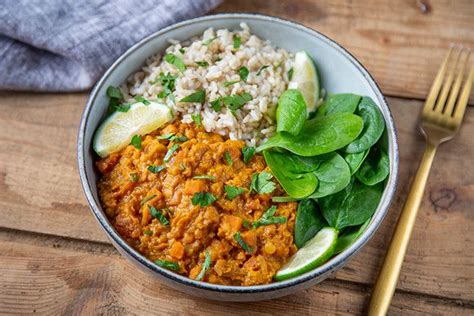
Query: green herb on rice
[[175, 61]]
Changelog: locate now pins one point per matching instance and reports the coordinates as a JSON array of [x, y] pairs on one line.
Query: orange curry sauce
[[127, 189]]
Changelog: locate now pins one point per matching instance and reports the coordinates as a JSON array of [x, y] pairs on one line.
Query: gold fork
[[441, 118]]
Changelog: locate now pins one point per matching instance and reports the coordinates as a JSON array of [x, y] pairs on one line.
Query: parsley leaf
[[261, 69], [236, 101], [156, 169], [197, 97], [136, 142], [202, 63], [181, 50], [197, 119], [248, 153], [236, 41], [175, 61], [262, 183], [242, 243], [216, 104], [228, 158], [203, 198], [209, 41], [142, 100], [158, 215], [122, 107], [205, 266], [268, 218], [170, 265], [290, 74], [243, 73], [232, 192], [206, 177], [114, 92], [170, 152], [246, 223], [173, 138], [147, 232]]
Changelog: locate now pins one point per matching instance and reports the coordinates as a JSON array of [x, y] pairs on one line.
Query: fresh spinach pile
[[333, 163]]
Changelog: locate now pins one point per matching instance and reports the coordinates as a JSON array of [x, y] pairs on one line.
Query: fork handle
[[388, 277]]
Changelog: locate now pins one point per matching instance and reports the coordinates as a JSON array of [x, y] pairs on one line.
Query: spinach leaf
[[375, 168], [290, 172], [352, 206], [308, 223], [321, 135], [339, 103], [348, 236], [374, 126], [354, 161], [291, 112], [333, 174]]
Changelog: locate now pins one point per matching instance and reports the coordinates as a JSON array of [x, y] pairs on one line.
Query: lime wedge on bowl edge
[[117, 130], [305, 78], [314, 253]]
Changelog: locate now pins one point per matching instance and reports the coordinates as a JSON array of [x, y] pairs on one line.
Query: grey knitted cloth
[[65, 45]]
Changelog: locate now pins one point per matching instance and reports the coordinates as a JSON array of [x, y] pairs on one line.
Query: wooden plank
[[400, 42], [56, 277], [40, 192]]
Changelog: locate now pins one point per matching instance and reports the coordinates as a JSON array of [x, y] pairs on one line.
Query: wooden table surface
[[54, 258]]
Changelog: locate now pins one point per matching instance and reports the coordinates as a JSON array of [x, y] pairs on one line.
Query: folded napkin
[[65, 45]]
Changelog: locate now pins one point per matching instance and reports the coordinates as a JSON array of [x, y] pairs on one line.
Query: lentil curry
[[186, 199]]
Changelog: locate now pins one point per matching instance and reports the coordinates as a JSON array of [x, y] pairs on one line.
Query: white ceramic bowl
[[339, 72]]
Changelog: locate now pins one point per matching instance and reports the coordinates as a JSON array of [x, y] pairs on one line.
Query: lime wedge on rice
[[305, 78], [118, 129], [314, 253]]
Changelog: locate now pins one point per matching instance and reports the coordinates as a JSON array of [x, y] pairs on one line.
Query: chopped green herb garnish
[[205, 266], [236, 101], [262, 183], [175, 61], [122, 107], [247, 224], [181, 50], [173, 138], [197, 97], [147, 232], [148, 198], [136, 142], [182, 166], [212, 178], [142, 100], [279, 64], [290, 74], [202, 63], [268, 218], [158, 215], [203, 198], [218, 59], [209, 41], [242, 243], [243, 73], [248, 153], [231, 191], [197, 118], [236, 41], [261, 69], [134, 177], [114, 92], [229, 83], [170, 152], [216, 104], [283, 199], [170, 265], [228, 158], [156, 169]]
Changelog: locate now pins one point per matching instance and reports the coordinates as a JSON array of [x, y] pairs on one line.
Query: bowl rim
[[334, 263]]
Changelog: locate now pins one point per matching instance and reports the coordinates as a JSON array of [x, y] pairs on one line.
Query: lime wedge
[[305, 78], [314, 253], [118, 129]]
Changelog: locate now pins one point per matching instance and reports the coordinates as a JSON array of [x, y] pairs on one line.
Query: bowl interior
[[338, 70]]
